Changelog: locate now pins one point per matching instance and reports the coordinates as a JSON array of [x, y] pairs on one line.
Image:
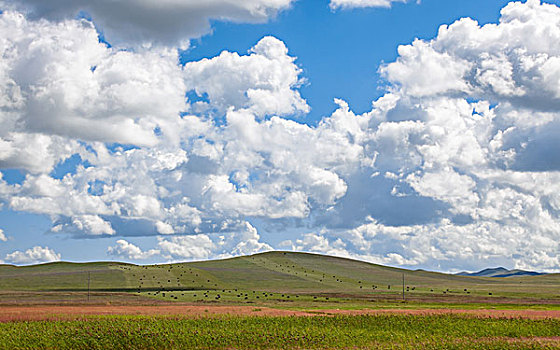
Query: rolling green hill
[[297, 274]]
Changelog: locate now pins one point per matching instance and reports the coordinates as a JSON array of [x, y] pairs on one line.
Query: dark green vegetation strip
[[356, 332]]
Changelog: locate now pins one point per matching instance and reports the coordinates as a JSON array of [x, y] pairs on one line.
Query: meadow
[[276, 300], [338, 332]]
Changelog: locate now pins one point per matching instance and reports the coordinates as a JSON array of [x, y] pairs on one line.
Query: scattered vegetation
[[360, 332]]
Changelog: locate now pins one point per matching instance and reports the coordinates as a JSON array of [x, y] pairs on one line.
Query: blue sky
[[340, 51], [177, 135]]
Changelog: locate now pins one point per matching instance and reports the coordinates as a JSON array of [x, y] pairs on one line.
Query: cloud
[[180, 168], [34, 152], [454, 167], [165, 22], [448, 186], [350, 4], [33, 255], [93, 224], [63, 85], [127, 250], [463, 135], [3, 237], [513, 61], [197, 247], [422, 71], [263, 82], [243, 241]]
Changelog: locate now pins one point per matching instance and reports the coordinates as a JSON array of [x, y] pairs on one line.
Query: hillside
[[272, 272]]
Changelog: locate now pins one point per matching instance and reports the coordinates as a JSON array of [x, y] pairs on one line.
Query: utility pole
[[403, 286], [88, 279]]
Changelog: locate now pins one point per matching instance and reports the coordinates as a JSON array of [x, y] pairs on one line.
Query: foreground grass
[[356, 332]]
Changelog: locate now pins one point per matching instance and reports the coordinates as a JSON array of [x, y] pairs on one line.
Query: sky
[[421, 134]]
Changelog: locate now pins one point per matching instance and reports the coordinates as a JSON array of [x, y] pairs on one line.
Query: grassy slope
[[270, 272]]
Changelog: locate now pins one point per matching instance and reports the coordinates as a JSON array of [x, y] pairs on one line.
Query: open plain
[[272, 300]]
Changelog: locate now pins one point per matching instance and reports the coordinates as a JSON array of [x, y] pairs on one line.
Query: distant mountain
[[500, 272]]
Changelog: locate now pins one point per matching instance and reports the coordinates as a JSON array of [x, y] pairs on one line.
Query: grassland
[[277, 279], [318, 287], [356, 332]]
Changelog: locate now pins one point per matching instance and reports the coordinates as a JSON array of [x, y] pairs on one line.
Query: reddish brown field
[[61, 312], [58, 312]]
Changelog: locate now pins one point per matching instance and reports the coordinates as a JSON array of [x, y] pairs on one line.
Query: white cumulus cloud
[[455, 166], [241, 241], [513, 61], [264, 82], [349, 4], [60, 85], [465, 140], [127, 250], [169, 22], [33, 255]]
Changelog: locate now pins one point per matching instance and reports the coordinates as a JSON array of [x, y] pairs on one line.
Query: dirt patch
[[28, 298], [62, 312], [36, 313]]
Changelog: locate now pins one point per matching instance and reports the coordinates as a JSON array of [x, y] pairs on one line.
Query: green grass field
[[283, 279], [340, 332]]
